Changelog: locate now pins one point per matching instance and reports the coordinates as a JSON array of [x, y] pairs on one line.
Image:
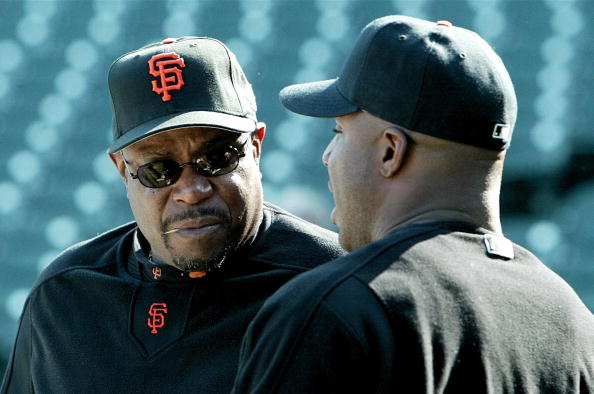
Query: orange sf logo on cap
[[168, 68]]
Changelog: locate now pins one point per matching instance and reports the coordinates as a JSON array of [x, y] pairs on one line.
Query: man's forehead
[[197, 136]]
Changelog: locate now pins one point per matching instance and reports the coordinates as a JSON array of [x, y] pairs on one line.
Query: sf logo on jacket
[[158, 319], [157, 316]]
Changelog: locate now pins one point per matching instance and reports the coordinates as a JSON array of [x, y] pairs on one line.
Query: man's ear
[[118, 160], [393, 146], [257, 139]]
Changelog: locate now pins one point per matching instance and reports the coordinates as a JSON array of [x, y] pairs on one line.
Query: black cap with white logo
[[430, 77], [190, 81]]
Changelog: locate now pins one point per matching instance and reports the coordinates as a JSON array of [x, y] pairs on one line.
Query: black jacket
[[428, 309], [92, 324]]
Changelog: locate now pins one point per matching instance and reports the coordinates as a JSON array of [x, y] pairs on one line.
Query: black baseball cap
[[189, 81], [429, 77]]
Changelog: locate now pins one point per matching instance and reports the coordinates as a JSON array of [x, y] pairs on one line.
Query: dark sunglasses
[[163, 173]]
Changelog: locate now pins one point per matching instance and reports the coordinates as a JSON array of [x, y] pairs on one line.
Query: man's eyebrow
[[217, 142], [156, 152], [221, 139], [214, 142], [146, 155]]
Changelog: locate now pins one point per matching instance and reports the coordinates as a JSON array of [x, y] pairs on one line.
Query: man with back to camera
[[161, 305], [433, 298]]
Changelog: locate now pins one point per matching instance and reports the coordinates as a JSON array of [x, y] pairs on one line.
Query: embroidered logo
[[156, 273], [157, 316], [168, 68], [501, 131]]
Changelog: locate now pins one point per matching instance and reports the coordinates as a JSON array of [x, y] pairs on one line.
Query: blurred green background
[[58, 187]]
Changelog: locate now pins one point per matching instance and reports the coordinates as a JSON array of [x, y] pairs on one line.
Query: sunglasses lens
[[218, 163], [163, 173], [160, 173]]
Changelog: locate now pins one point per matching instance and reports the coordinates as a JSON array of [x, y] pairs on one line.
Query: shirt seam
[[342, 278], [361, 341]]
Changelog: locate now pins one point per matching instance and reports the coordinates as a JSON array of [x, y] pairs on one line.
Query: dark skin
[[384, 176], [212, 216]]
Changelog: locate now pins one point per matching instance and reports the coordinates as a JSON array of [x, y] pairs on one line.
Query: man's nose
[[327, 152], [191, 187]]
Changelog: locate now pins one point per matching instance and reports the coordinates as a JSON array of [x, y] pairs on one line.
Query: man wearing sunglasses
[[433, 297], [160, 305]]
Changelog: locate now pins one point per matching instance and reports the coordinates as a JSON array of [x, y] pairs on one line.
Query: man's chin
[[347, 242], [195, 263], [185, 251]]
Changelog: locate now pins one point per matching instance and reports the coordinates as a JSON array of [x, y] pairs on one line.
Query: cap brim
[[321, 99], [217, 120]]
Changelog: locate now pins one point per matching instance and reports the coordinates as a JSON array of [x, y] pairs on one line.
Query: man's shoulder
[[92, 253], [455, 270], [327, 284], [291, 241], [327, 301], [396, 265], [281, 220]]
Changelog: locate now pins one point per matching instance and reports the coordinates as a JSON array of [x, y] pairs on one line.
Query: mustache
[[195, 213]]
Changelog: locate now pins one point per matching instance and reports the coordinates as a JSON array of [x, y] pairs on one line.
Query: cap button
[[444, 23], [168, 40]]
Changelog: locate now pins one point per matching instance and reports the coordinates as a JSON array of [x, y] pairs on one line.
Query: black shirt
[[97, 321], [431, 308]]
